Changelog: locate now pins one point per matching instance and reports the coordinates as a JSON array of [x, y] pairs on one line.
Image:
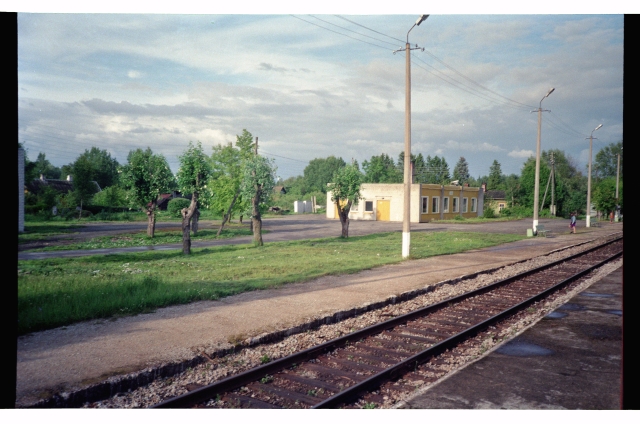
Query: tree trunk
[[256, 220], [194, 221], [344, 220], [227, 216], [151, 219], [187, 214], [343, 213]]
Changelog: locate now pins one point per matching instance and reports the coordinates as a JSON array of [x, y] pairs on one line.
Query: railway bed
[[369, 367]]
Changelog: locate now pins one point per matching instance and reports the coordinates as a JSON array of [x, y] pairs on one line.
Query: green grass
[[38, 230], [161, 236], [61, 291]]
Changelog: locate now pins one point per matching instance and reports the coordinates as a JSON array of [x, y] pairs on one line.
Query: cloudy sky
[[314, 85]]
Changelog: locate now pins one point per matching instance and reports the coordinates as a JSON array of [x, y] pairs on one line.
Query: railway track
[[391, 354]]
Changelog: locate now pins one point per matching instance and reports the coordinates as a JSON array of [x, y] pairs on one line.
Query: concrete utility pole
[[406, 224], [617, 181], [589, 177], [536, 193]]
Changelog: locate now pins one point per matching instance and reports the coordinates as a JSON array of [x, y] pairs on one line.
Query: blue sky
[[314, 84]]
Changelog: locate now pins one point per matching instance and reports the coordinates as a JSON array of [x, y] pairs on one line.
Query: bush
[[489, 213], [176, 205]]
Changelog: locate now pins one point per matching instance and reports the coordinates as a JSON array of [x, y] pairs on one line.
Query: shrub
[[176, 205], [489, 213]]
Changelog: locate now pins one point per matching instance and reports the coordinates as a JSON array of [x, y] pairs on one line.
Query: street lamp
[[536, 193], [406, 224], [589, 176]]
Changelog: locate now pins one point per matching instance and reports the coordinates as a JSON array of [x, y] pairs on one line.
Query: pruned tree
[[192, 178], [147, 175], [258, 180], [345, 191]]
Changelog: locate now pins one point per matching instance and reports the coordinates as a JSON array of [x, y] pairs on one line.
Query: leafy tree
[[43, 167], [258, 180], [192, 178], [606, 161], [113, 196], [381, 169], [226, 177], [604, 195], [437, 171], [511, 188], [103, 169], [496, 179], [83, 186], [570, 184], [320, 171], [527, 181], [345, 190], [147, 175], [461, 171]]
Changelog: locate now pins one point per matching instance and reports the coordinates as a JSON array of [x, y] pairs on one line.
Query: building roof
[[495, 194]]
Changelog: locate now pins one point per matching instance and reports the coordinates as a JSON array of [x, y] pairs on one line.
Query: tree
[[381, 169], [258, 180], [345, 190], [103, 169], [226, 172], [43, 167], [320, 171], [192, 178], [437, 171], [606, 161], [461, 171], [496, 179], [83, 186], [147, 175], [604, 195]]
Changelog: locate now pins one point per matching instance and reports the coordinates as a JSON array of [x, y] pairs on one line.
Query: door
[[383, 208]]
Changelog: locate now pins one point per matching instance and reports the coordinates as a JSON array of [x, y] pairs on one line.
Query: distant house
[[280, 190], [496, 200], [385, 202], [61, 186]]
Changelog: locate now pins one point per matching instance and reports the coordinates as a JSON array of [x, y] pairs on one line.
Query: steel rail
[[375, 381], [233, 382]]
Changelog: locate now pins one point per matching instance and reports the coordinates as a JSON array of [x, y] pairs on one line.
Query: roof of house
[[280, 189], [61, 186], [495, 194]]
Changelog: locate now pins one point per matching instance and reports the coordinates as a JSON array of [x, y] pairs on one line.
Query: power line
[[355, 32], [373, 30], [339, 33]]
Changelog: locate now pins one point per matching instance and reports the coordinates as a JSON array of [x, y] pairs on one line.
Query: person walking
[[572, 222], [611, 217]]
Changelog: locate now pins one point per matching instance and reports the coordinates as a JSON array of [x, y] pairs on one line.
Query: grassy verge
[[56, 292], [161, 236], [38, 230]]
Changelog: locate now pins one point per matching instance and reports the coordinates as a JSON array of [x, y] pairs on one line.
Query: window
[[445, 204], [456, 205], [501, 206], [435, 203], [425, 204], [368, 206], [474, 204], [465, 204]]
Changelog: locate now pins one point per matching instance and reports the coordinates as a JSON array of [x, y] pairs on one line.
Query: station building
[[385, 202]]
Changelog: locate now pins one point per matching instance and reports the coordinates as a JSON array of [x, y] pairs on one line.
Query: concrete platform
[[571, 359]]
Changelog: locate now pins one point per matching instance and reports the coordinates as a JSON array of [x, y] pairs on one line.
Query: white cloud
[[524, 154]]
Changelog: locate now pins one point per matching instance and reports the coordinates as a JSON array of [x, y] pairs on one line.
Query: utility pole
[[536, 193], [589, 177], [617, 181], [553, 185], [406, 224]]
